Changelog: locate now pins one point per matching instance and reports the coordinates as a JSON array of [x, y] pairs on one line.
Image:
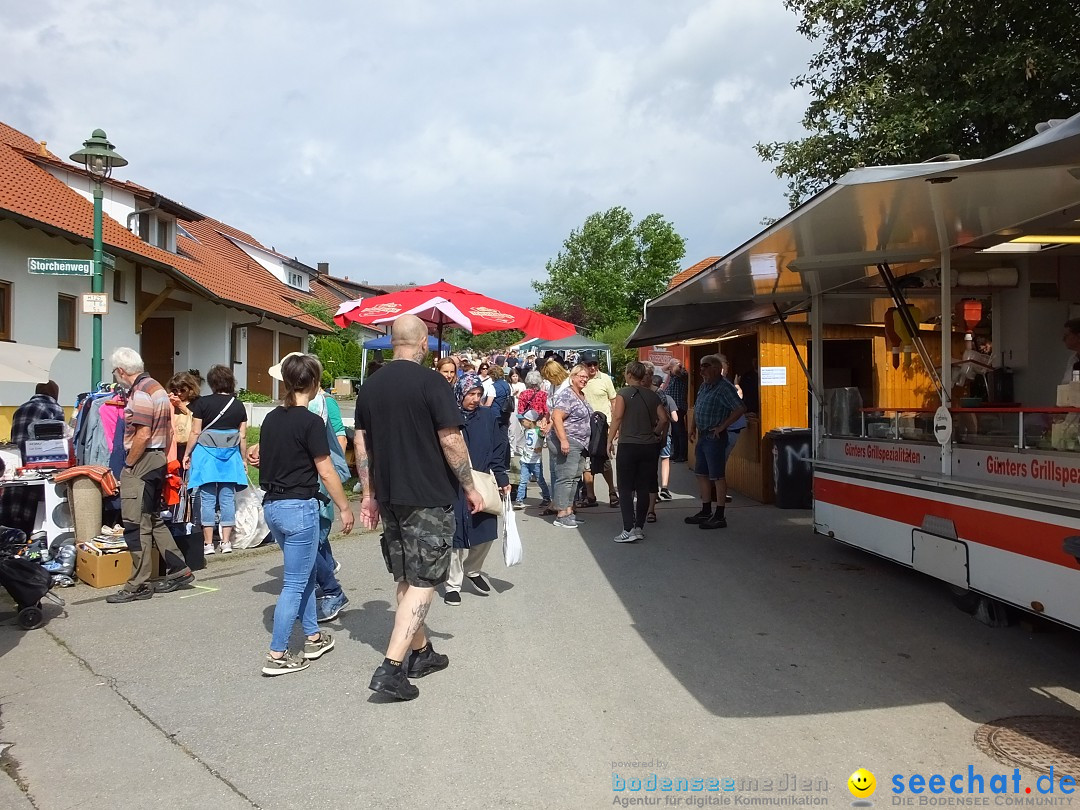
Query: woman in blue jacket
[[473, 534]]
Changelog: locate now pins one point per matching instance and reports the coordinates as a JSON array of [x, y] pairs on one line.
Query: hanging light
[[98, 156]]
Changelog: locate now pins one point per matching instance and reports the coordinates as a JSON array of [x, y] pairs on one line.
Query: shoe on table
[[714, 522], [393, 682], [421, 664], [168, 585], [208, 549], [226, 547], [625, 537], [480, 584], [315, 649], [124, 595], [452, 598], [637, 533], [699, 518], [289, 662], [328, 607]]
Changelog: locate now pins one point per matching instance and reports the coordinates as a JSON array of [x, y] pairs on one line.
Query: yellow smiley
[[862, 784]]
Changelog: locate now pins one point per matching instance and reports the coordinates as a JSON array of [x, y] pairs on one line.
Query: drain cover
[[1034, 741]]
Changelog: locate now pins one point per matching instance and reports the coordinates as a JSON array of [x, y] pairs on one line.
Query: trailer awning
[[881, 214], [685, 321]]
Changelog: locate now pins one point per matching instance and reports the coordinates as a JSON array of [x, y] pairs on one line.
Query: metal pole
[[97, 285]]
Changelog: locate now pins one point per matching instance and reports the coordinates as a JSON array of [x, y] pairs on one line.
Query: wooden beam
[[168, 305], [152, 307]]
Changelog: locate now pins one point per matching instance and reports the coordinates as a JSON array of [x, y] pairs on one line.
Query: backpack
[[504, 402], [598, 436]]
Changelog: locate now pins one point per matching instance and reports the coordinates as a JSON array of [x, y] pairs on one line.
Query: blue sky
[[417, 140]]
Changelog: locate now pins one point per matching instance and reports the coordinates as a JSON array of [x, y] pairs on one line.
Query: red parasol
[[441, 303]]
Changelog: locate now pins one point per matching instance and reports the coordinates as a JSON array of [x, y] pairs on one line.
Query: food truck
[[970, 268]]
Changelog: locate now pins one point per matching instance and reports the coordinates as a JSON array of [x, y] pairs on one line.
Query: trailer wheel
[[965, 600], [31, 618]]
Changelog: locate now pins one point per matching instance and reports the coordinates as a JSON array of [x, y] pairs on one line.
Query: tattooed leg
[[413, 606]]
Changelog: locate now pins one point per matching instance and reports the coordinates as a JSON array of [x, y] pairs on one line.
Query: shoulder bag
[[219, 438]]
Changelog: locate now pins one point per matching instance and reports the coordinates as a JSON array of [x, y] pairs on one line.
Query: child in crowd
[[532, 463]]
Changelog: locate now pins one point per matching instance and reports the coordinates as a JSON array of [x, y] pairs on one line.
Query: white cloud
[[423, 139]]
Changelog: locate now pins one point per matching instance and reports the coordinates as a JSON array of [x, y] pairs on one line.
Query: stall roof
[[882, 214], [572, 343]]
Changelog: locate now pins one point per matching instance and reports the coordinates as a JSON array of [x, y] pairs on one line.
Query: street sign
[[95, 303], [108, 260], [61, 267]]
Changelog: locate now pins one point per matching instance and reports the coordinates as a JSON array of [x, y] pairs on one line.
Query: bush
[[251, 396]]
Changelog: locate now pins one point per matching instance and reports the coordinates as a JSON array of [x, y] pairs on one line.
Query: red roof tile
[[690, 272], [222, 270]]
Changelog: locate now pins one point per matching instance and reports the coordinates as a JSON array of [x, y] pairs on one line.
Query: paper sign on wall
[[773, 375]]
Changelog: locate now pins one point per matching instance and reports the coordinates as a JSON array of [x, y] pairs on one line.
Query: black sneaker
[[392, 681], [124, 595], [452, 598], [480, 584], [714, 522], [728, 499], [170, 585], [700, 517], [665, 494], [421, 664]]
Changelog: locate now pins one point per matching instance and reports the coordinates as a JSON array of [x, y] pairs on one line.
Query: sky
[[414, 140]]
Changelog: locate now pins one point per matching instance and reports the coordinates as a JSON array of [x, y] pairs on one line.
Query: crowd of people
[[424, 435]]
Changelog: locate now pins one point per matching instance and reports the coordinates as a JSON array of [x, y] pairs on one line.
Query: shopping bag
[[512, 550], [250, 526]]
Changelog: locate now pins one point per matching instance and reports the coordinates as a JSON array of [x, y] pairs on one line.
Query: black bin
[[793, 476]]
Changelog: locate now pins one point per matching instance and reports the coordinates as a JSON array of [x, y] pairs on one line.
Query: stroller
[[26, 581]]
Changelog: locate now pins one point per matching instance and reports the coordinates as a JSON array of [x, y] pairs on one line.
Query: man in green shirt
[[600, 394]]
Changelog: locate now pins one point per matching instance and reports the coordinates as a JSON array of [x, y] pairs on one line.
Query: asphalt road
[[757, 652]]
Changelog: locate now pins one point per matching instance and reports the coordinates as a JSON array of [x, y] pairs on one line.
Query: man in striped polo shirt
[[147, 434]]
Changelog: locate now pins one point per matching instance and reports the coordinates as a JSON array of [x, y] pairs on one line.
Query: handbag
[[222, 440], [488, 488]]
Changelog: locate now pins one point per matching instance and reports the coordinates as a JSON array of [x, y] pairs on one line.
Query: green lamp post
[[99, 158]]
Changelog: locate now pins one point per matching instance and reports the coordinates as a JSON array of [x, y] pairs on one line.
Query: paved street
[[753, 652]]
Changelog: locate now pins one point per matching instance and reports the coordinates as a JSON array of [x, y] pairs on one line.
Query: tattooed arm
[[369, 508], [457, 458]]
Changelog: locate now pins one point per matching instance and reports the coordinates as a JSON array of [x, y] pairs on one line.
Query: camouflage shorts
[[416, 543]]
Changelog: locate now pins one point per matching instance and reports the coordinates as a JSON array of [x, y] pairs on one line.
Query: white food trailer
[[985, 497]]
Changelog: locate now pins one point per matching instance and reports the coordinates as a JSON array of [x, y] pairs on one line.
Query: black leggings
[[635, 467]]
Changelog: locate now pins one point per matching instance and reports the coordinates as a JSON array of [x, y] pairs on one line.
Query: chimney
[[324, 267], [43, 148]]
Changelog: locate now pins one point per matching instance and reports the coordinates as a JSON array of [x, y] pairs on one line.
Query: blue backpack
[[503, 404]]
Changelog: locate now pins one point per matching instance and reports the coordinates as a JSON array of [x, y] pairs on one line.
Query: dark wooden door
[[260, 356], [158, 348], [287, 344]]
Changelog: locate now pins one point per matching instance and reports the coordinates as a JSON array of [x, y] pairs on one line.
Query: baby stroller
[[26, 581]]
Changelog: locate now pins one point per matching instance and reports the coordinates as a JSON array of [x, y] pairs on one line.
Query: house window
[[164, 232], [296, 280], [119, 292], [5, 310], [65, 322]]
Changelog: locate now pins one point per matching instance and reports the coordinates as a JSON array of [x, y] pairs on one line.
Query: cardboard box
[[103, 570]]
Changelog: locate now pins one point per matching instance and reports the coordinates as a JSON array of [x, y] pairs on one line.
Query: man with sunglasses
[[716, 408]]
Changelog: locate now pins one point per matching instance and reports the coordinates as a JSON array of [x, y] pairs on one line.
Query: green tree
[[901, 81], [616, 337], [609, 268]]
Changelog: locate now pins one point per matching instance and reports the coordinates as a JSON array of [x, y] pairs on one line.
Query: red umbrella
[[441, 303]]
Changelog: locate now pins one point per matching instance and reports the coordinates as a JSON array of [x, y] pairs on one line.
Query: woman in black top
[[640, 422], [294, 455]]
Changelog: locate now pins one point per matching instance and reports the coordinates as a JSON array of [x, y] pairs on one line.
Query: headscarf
[[466, 383]]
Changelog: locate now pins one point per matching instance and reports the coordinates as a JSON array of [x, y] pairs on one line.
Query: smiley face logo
[[862, 784]]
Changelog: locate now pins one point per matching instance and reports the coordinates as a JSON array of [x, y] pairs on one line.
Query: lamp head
[[98, 156]]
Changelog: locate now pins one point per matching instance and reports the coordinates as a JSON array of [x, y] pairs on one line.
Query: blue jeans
[[217, 497], [528, 470], [295, 527], [325, 563]]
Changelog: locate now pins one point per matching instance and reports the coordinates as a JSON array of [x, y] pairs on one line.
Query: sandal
[[651, 517], [589, 502]]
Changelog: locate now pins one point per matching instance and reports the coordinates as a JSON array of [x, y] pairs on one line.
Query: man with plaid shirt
[[716, 408], [20, 504], [676, 388]]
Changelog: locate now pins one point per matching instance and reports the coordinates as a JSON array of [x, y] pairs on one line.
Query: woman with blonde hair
[[447, 367], [555, 377]]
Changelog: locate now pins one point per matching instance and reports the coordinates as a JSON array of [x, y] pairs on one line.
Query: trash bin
[[793, 477]]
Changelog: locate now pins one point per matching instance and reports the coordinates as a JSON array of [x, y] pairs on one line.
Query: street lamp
[[99, 158]]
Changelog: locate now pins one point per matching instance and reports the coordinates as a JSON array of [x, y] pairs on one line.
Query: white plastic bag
[[250, 526], [512, 550]]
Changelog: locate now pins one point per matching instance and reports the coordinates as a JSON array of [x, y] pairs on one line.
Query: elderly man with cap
[[600, 394]]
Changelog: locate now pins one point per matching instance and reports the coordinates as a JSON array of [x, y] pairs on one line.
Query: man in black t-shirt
[[411, 460]]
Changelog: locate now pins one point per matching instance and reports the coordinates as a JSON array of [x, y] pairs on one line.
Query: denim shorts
[[710, 455], [665, 451], [416, 543]]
